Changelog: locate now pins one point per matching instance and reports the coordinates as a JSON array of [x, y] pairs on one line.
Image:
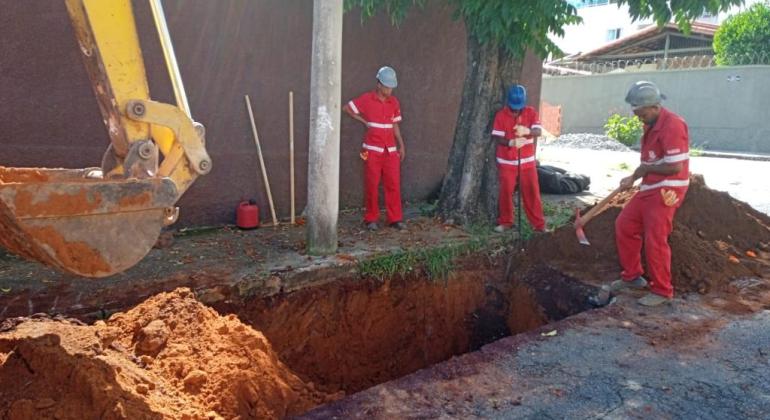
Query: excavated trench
[[353, 334], [173, 357]]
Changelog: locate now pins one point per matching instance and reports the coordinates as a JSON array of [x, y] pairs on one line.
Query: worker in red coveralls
[[648, 218], [380, 112], [515, 130]]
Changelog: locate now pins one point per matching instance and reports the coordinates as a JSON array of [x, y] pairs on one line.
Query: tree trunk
[[469, 191]]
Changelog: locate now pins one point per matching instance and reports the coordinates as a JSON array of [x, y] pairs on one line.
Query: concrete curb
[[733, 155]]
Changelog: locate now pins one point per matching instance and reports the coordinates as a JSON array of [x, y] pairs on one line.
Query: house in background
[[652, 48], [604, 21]]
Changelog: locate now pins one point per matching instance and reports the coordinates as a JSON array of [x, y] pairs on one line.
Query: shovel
[[581, 221]]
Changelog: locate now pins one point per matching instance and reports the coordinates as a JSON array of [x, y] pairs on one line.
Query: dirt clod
[[153, 337], [711, 230], [199, 369], [194, 380]]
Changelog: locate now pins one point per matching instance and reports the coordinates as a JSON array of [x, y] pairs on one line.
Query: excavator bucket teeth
[[90, 227]]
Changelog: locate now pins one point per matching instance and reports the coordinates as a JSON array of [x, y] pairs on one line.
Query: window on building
[[613, 34], [591, 3]]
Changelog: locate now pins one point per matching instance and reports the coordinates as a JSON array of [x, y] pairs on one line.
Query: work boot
[[619, 285], [398, 225], [372, 226], [651, 299], [501, 228]]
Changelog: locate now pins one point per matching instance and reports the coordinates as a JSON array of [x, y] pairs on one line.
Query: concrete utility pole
[[324, 156]]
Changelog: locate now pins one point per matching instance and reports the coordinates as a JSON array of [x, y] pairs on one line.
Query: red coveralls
[[646, 218], [384, 160], [505, 127]]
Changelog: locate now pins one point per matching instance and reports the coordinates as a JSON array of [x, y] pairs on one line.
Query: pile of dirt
[[170, 357], [715, 239]]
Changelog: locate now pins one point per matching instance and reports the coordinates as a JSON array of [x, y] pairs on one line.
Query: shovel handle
[[580, 222]]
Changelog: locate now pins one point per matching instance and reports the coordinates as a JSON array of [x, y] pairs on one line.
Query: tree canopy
[[518, 25], [745, 37], [499, 32]]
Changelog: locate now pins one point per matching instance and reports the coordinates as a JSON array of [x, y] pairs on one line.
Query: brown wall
[[225, 49]]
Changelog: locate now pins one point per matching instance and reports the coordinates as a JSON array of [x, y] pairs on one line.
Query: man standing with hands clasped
[[648, 218], [380, 112], [515, 131]]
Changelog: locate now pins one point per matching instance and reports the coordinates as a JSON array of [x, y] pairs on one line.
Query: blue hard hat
[[517, 97]]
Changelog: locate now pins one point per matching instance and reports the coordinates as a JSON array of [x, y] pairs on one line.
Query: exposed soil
[[709, 229], [173, 357], [170, 357], [353, 334]]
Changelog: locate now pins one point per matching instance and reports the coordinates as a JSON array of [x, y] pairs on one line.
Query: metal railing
[[577, 68]]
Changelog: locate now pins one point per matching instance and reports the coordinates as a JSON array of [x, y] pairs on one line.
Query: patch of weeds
[[561, 218], [196, 231], [623, 166], [527, 232], [428, 208], [389, 265], [626, 130], [696, 151], [549, 209], [557, 215], [437, 262]]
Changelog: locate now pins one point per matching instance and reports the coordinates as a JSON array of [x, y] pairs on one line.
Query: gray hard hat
[[644, 93], [387, 76]]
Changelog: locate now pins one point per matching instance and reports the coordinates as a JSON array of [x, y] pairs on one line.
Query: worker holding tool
[[648, 217], [380, 112], [515, 131]]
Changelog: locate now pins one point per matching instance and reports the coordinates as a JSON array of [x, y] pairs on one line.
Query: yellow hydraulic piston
[[98, 221]]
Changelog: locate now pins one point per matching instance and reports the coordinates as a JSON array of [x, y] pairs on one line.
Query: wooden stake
[[261, 160], [291, 152]]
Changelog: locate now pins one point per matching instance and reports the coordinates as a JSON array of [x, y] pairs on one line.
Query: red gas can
[[247, 215]]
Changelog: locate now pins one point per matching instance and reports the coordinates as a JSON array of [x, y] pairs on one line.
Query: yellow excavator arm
[[95, 222]]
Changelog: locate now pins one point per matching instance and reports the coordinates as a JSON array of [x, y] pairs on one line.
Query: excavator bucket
[[89, 227], [100, 221]]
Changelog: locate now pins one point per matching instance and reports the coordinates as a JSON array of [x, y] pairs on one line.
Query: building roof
[[651, 41]]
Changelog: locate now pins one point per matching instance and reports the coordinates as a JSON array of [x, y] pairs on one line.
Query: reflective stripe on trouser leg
[[506, 175], [372, 173], [391, 184], [658, 220], [530, 194], [628, 239], [646, 218]]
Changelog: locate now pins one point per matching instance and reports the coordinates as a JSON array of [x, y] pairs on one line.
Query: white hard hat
[[644, 93], [387, 76]]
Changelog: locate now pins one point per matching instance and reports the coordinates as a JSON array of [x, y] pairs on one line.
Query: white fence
[[726, 108]]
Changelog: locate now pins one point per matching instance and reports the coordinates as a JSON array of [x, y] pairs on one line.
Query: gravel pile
[[589, 141]]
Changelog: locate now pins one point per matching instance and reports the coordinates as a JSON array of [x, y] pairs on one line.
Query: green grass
[[696, 151], [623, 166], [428, 208], [197, 231], [557, 215], [437, 262]]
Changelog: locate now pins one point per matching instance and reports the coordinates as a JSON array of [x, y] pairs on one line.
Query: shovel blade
[[581, 235]]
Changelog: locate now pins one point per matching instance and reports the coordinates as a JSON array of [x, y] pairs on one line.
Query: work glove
[[518, 142], [522, 131], [669, 197]]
